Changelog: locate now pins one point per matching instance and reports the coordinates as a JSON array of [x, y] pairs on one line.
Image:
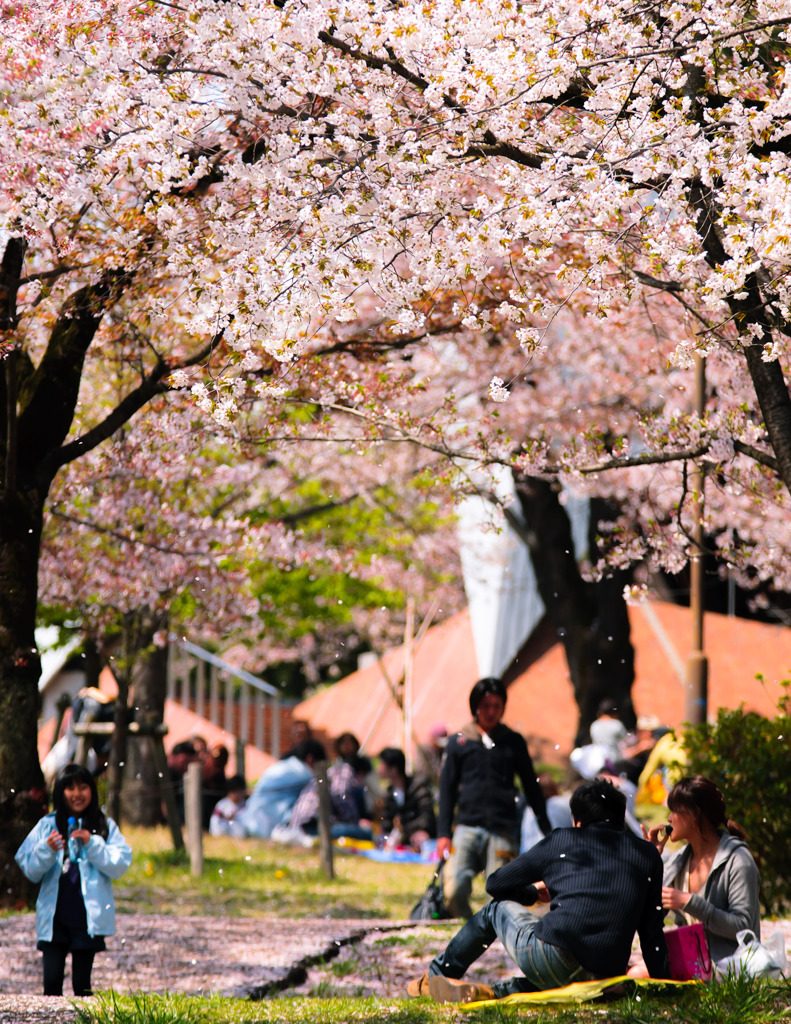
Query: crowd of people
[[605, 874], [596, 850], [383, 805]]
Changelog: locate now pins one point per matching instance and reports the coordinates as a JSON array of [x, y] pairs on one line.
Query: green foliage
[[739, 999], [144, 1009], [749, 757], [306, 595]]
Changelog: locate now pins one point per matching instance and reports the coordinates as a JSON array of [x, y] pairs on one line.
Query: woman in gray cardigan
[[714, 878]]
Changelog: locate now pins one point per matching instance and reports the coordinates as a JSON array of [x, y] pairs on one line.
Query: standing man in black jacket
[[603, 884], [477, 780]]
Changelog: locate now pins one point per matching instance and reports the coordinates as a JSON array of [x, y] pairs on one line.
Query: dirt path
[[247, 958], [234, 957]]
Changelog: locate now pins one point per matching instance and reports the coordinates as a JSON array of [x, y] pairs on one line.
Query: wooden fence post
[[192, 817], [241, 768], [325, 825]]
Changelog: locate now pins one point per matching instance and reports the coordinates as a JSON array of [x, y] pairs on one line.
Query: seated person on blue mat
[[603, 884], [408, 808]]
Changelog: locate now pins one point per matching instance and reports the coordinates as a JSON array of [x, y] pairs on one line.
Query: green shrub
[[749, 757]]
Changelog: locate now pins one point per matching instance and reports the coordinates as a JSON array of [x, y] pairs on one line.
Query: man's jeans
[[544, 965], [474, 850]]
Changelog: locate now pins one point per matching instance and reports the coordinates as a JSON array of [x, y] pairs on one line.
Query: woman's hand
[[83, 835], [653, 836], [55, 840], [674, 899]]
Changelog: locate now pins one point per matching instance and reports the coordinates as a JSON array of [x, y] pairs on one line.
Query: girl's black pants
[[55, 966]]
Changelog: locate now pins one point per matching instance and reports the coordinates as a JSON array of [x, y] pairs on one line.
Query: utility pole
[[697, 667]]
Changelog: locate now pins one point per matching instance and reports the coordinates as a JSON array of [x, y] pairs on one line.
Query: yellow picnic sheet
[[578, 992]]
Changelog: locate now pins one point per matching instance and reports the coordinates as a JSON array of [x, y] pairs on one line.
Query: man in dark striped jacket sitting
[[603, 884]]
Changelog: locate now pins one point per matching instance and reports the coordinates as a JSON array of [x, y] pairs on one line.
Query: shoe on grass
[[456, 990], [418, 986]]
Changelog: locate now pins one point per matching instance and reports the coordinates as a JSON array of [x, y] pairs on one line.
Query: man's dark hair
[[487, 685], [394, 758], [598, 800], [309, 749]]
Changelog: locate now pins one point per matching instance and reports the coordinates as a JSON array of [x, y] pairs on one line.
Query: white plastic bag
[[755, 958]]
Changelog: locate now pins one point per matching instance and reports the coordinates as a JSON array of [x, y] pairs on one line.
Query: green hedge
[[749, 757]]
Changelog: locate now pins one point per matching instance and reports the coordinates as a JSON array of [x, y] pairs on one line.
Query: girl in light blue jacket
[[74, 852]]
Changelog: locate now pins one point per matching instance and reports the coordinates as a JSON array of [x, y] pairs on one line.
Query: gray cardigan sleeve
[[731, 903]]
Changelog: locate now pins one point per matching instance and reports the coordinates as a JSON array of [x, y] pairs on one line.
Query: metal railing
[[228, 697]]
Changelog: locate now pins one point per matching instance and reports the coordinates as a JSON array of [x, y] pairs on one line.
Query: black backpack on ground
[[431, 906]]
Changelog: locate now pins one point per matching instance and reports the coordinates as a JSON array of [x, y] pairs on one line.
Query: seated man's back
[[605, 884]]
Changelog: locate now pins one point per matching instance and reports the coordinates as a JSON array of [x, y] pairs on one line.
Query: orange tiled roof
[[444, 670], [540, 699]]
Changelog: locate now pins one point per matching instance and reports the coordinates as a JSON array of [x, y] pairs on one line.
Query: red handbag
[[688, 953]]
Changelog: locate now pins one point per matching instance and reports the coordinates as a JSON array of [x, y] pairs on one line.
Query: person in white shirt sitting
[[226, 818]]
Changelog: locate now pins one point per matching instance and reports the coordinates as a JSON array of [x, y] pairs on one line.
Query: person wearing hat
[[478, 782]]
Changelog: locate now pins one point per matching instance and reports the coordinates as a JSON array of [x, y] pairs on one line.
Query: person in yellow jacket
[[662, 770]]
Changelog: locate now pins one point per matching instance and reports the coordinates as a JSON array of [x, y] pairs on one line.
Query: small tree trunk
[[118, 748], [193, 807], [141, 793]]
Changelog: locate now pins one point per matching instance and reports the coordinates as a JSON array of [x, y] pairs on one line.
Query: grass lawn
[[254, 879], [250, 878]]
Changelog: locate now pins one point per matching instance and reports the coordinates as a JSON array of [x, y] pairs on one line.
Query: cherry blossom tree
[[232, 186], [173, 526]]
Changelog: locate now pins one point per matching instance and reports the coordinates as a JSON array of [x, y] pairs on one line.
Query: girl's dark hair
[[93, 818], [705, 802], [344, 739]]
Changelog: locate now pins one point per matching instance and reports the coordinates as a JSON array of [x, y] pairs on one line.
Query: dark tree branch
[[648, 459], [763, 458], [10, 278], [153, 384], [773, 398], [125, 538], [685, 454], [653, 282], [49, 397]]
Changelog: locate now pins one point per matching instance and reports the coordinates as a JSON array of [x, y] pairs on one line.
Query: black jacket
[[605, 884], [480, 780]]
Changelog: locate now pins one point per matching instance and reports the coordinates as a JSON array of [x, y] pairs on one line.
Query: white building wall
[[499, 579]]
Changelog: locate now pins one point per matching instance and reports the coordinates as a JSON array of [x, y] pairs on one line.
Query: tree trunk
[[23, 797], [591, 619], [141, 798], [613, 653]]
